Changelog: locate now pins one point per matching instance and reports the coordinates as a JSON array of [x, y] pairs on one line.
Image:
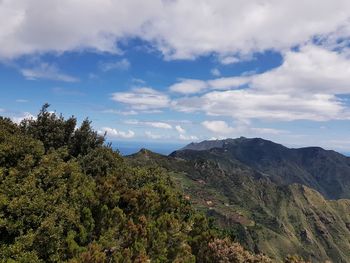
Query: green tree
[[52, 130]]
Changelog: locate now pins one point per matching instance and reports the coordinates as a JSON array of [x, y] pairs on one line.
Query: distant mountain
[[210, 144], [328, 172], [261, 192]]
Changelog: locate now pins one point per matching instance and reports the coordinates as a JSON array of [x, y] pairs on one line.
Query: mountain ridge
[[263, 215], [327, 171], [217, 143]]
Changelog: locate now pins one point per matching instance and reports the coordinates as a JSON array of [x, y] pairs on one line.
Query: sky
[[164, 73]]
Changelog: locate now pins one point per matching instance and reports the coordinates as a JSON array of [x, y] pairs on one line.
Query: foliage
[[55, 132], [66, 196], [224, 251]]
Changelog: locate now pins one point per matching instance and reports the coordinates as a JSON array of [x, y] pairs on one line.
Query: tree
[[52, 130], [67, 196], [85, 139]]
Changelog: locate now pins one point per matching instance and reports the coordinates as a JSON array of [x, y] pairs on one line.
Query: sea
[[127, 148]]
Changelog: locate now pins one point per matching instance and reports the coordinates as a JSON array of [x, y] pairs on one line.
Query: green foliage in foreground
[[67, 197]]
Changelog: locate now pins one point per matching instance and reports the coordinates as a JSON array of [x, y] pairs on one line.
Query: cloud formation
[[182, 29], [180, 129], [305, 87], [312, 37], [188, 86], [47, 71], [220, 127], [142, 99], [116, 134], [193, 86], [123, 64], [18, 117], [154, 124], [309, 70]]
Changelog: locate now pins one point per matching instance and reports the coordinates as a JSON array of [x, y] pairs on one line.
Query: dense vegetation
[[65, 195]]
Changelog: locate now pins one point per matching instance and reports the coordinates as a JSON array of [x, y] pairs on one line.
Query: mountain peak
[[326, 171], [143, 152], [210, 144]]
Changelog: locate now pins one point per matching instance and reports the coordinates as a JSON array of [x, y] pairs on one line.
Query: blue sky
[[171, 72]]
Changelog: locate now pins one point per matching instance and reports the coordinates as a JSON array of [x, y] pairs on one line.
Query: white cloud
[[245, 104], [220, 127], [114, 133], [188, 86], [142, 99], [119, 112], [154, 124], [38, 26], [122, 64], [17, 118], [192, 86], [47, 71], [161, 125], [305, 86], [184, 137], [187, 29], [180, 129], [311, 70], [154, 136], [179, 29], [226, 60], [228, 83]]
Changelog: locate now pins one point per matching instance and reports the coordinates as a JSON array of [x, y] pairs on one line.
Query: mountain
[[270, 198], [67, 196], [328, 172]]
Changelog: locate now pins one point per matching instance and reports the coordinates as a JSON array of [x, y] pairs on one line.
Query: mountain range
[[328, 172], [270, 198]]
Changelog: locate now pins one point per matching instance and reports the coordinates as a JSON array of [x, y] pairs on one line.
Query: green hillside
[[328, 172], [262, 215]]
